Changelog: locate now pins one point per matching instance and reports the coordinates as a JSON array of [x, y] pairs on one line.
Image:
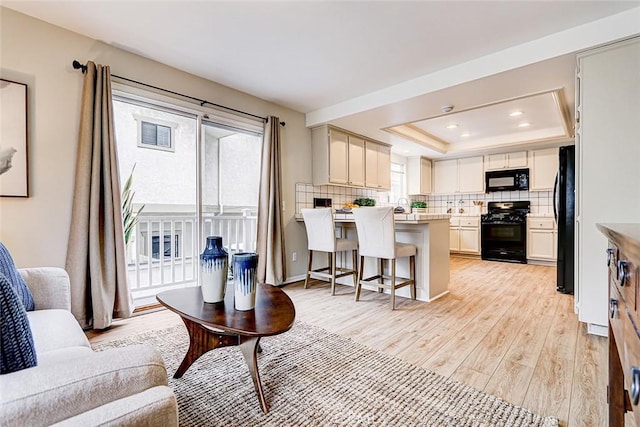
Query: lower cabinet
[[464, 234], [542, 238]]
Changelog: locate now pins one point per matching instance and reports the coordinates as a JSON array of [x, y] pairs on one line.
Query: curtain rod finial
[[77, 65]]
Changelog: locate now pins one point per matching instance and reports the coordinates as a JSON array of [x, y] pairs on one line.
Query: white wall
[[36, 229]]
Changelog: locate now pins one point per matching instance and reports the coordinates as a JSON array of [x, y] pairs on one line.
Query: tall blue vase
[[245, 268], [214, 262]]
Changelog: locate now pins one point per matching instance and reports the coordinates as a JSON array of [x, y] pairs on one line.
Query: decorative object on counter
[[365, 202], [214, 265], [398, 209], [477, 207], [319, 202], [245, 266], [418, 206]]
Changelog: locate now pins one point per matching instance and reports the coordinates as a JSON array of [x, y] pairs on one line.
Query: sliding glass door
[[190, 177]]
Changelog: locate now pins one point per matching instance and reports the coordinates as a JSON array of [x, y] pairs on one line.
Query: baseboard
[[599, 330], [542, 262], [438, 296]]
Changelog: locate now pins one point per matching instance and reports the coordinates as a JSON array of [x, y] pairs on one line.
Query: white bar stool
[[377, 239], [321, 237]]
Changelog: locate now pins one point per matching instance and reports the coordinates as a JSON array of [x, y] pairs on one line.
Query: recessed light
[[464, 135], [524, 125], [452, 126], [515, 114]]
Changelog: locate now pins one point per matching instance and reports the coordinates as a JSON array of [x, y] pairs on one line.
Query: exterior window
[[166, 249], [398, 188], [154, 134]]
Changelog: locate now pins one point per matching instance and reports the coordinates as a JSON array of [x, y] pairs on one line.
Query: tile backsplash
[[541, 201]]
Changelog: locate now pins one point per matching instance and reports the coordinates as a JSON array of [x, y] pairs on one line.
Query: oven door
[[504, 241]]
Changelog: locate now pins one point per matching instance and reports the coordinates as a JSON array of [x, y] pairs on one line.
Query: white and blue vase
[[245, 266], [214, 263]]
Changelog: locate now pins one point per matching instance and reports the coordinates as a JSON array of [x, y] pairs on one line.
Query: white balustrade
[[164, 251]]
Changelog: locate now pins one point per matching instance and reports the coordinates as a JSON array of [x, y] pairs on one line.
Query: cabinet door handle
[[613, 307], [610, 252], [635, 385], [622, 272]]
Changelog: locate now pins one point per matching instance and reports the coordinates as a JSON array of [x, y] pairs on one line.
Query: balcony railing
[[164, 253]]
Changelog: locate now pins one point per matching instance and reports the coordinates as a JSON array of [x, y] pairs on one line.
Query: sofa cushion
[[55, 329], [8, 268], [17, 350]]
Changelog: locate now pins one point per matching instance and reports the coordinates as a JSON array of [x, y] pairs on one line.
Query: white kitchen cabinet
[[459, 176], [471, 175], [377, 165], [506, 161], [543, 166], [445, 176], [542, 238], [418, 176], [464, 234], [607, 159], [338, 157]]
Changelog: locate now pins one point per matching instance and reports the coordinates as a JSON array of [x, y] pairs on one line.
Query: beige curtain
[[96, 252], [271, 259]]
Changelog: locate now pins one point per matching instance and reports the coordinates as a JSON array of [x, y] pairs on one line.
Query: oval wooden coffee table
[[219, 325]]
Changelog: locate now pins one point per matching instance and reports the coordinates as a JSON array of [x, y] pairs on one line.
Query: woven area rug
[[315, 378]]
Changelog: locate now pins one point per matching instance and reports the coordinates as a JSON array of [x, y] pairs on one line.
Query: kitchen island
[[430, 234]]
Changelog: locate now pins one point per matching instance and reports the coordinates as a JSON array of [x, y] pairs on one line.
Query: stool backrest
[[376, 232], [321, 234]]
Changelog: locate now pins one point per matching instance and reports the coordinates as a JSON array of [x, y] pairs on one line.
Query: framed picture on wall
[[14, 158]]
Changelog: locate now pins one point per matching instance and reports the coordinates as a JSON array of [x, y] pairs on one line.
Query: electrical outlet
[[294, 256]]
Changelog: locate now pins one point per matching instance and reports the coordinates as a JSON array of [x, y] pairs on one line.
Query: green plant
[[418, 204], [129, 217], [365, 202]]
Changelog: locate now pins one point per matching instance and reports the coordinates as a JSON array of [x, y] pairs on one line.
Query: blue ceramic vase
[[245, 267], [214, 263]]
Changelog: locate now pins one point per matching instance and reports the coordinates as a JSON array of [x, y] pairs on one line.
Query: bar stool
[[377, 239], [321, 237]]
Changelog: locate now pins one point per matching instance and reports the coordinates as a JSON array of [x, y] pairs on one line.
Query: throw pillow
[[17, 350], [8, 268]]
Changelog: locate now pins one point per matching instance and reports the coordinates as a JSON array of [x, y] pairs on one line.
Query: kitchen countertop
[[407, 218]]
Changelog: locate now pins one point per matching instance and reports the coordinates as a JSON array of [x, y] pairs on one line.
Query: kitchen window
[[398, 182]]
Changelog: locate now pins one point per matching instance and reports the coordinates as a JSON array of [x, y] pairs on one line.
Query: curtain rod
[[79, 66]]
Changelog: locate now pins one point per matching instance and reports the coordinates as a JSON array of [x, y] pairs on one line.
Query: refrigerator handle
[[555, 198]]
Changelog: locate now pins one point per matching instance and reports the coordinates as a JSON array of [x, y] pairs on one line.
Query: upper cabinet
[[377, 165], [459, 176], [543, 166], [418, 176], [343, 158], [506, 161]]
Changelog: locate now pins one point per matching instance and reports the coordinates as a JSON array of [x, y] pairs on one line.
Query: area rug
[[315, 378]]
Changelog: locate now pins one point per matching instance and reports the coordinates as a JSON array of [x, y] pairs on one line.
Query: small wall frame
[[14, 154]]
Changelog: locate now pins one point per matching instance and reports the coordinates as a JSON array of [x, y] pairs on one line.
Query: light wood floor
[[503, 329]]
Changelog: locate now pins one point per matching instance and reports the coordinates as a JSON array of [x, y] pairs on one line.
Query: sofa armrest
[[50, 393], [156, 406], [50, 286]]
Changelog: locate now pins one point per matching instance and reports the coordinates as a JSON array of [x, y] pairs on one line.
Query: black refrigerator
[[564, 197]]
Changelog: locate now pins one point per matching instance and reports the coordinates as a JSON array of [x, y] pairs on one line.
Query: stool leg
[[354, 260], [393, 284], [381, 273], [358, 284], [333, 273], [412, 272], [306, 279]]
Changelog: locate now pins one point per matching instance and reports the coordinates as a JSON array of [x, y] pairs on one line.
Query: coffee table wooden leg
[[249, 347], [201, 340]]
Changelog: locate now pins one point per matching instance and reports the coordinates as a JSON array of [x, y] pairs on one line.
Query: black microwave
[[507, 180]]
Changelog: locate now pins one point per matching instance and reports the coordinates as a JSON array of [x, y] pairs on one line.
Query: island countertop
[[403, 218], [429, 232]]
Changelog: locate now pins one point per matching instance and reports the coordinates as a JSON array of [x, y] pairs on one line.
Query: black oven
[[504, 232]]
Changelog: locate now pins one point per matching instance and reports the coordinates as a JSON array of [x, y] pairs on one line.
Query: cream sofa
[[75, 386]]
